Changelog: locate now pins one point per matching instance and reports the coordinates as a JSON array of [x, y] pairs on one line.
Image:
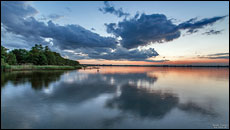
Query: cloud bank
[[19, 20], [155, 28], [76, 42]]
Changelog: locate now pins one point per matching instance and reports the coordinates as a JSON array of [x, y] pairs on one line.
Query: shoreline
[[5, 68]]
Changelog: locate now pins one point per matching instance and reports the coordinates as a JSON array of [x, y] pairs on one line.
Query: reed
[[37, 67]]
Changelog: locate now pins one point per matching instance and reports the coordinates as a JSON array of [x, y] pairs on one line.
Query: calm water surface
[[116, 97]]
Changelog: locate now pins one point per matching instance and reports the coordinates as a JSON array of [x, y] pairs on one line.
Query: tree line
[[38, 55]]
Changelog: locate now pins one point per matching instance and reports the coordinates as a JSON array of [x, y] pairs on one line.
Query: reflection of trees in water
[[89, 87], [135, 97], [38, 79], [137, 91], [142, 103], [78, 92]]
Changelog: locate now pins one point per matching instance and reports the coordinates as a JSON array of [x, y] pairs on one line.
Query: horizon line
[[169, 65]]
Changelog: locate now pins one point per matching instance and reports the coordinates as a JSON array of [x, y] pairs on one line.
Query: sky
[[121, 32]]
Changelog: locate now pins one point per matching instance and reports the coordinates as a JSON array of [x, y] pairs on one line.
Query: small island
[[38, 58]]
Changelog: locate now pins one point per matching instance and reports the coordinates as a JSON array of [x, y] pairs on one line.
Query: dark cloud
[[155, 28], [157, 60], [69, 36], [212, 32], [15, 10], [144, 30], [119, 53], [219, 57], [110, 9], [190, 31], [193, 24], [218, 54], [215, 56], [75, 36], [18, 21], [83, 43]]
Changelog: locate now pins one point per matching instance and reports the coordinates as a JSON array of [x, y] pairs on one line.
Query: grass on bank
[[37, 67]]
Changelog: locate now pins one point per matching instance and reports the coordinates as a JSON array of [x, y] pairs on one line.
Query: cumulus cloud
[[69, 36], [14, 9], [144, 30], [83, 43], [17, 20], [119, 53], [75, 36], [155, 28], [110, 9]]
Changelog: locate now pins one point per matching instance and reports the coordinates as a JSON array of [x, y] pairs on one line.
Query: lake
[[116, 97]]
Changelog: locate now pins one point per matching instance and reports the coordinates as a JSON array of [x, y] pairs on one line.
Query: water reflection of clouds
[[194, 108], [143, 104], [124, 94], [135, 93], [75, 76]]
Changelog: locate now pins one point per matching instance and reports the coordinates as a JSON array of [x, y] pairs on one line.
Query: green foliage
[[41, 67], [43, 60], [11, 59], [51, 59], [38, 55], [3, 62], [3, 54], [38, 58], [22, 55]]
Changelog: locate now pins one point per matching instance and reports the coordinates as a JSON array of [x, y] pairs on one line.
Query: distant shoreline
[[221, 66]]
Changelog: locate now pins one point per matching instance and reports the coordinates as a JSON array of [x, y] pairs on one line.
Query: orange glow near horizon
[[157, 71], [176, 62]]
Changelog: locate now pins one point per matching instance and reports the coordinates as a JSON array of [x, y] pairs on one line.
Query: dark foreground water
[[116, 97]]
